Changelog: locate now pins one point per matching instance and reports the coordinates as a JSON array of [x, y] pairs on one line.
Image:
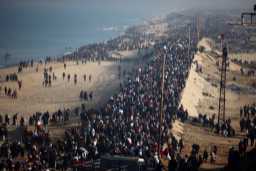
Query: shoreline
[[133, 38], [127, 31]]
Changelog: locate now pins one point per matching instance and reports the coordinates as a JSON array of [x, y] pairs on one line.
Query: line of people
[[76, 77], [84, 95], [9, 92], [11, 77], [248, 122]]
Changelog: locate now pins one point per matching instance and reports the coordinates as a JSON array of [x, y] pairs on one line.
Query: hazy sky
[[160, 4], [45, 27]]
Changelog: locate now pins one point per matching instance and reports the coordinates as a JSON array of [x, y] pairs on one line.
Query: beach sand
[[33, 97]]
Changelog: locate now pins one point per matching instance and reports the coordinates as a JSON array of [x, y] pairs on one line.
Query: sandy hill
[[201, 96]]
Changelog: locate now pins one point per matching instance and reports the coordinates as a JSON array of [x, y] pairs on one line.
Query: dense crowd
[[248, 122], [119, 127], [131, 40], [243, 158], [128, 125]]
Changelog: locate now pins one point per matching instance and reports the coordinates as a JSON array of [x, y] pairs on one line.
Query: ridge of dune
[[195, 84], [192, 92]]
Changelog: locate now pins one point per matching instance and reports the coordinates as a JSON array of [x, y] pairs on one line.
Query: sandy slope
[[202, 89], [201, 96]]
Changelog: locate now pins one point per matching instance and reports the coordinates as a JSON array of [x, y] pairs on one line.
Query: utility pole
[[222, 96], [189, 39], [198, 28], [161, 104]]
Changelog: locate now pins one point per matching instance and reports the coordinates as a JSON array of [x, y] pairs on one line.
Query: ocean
[[35, 29]]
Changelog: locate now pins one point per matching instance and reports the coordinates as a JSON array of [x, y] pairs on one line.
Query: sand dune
[[201, 94]]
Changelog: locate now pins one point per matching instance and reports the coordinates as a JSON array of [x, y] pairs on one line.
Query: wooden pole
[[161, 105]]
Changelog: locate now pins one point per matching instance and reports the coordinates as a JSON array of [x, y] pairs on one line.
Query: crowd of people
[[223, 128], [49, 76], [131, 40], [84, 95], [11, 77], [248, 123], [128, 125], [247, 67], [9, 92], [242, 158], [25, 64], [120, 126]]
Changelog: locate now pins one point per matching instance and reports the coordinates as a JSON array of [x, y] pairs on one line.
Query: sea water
[[35, 29]]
